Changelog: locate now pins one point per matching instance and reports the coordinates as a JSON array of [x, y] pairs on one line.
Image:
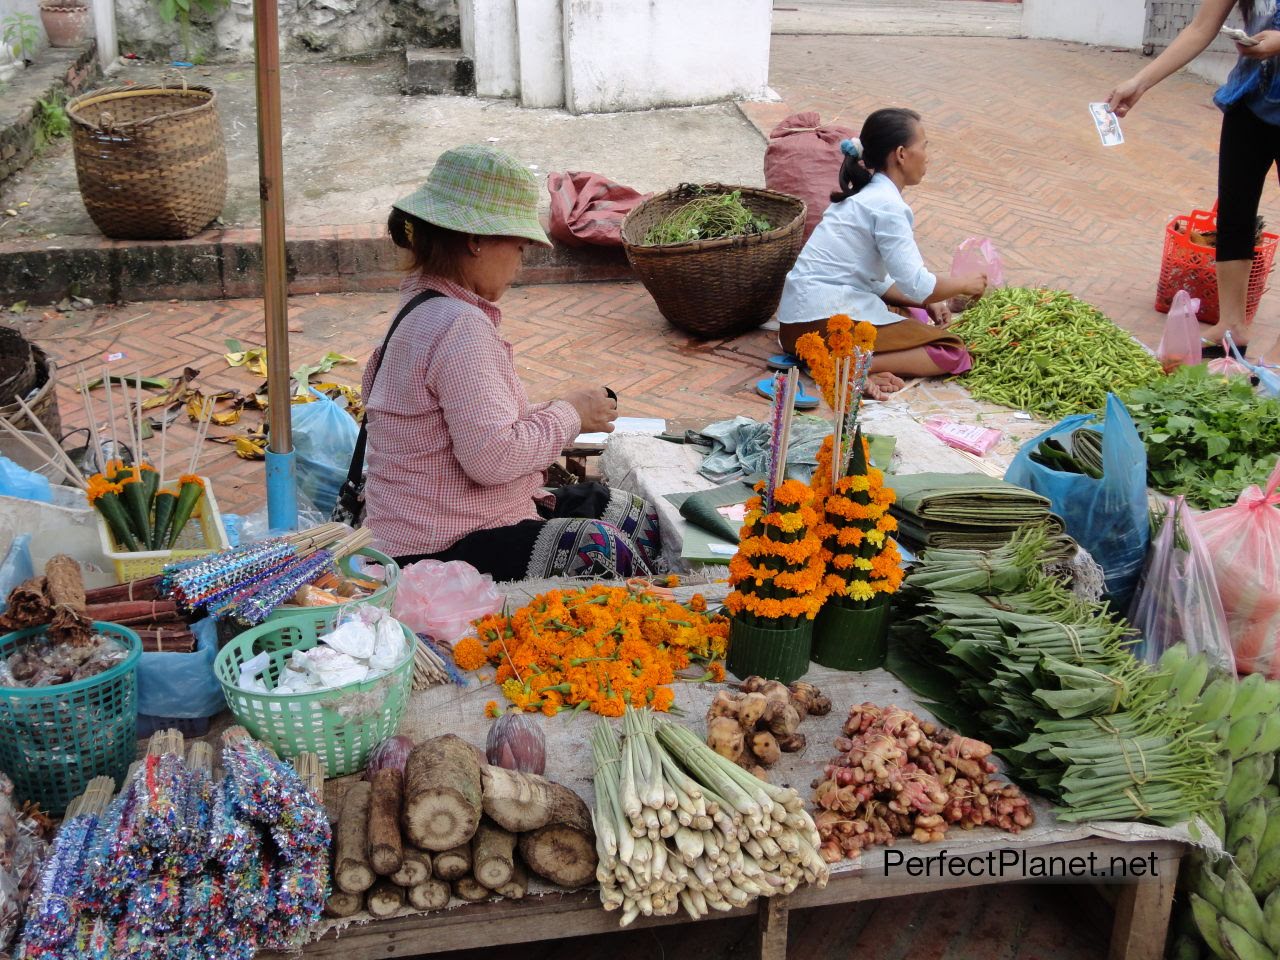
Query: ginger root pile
[[755, 726], [898, 776]]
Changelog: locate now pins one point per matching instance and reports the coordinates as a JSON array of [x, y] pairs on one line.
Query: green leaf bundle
[[1207, 437]]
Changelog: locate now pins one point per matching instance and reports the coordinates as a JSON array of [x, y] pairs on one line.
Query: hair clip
[[852, 148]]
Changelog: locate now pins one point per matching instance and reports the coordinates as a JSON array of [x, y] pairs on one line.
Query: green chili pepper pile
[[1048, 353]]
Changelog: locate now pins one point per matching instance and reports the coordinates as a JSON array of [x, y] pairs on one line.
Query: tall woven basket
[[150, 160], [716, 288]]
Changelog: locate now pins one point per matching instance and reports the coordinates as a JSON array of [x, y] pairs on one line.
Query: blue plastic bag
[[182, 685], [324, 437], [18, 481], [1107, 517], [17, 567]]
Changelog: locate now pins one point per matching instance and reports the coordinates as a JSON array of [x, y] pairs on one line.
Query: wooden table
[[1141, 909]]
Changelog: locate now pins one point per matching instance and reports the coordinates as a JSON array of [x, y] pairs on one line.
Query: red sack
[[586, 208], [803, 160]]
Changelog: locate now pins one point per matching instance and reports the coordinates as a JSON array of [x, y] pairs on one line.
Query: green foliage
[[1207, 437], [21, 35], [706, 215], [52, 121], [181, 10]]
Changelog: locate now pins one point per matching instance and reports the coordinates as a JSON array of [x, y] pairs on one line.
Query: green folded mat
[[964, 498], [955, 537]]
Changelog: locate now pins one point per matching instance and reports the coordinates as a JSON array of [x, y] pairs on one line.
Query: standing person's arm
[[1192, 41]]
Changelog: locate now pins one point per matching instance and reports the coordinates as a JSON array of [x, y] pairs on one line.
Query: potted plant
[[863, 565], [65, 22], [21, 36]]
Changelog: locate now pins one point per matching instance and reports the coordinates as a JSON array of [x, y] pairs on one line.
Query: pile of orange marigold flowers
[[599, 649]]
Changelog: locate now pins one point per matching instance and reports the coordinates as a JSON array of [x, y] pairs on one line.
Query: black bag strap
[[356, 471]]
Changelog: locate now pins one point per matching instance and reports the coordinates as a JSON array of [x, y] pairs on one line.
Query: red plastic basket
[[1192, 267]]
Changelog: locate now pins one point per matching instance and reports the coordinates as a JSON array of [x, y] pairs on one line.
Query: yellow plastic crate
[[204, 534]]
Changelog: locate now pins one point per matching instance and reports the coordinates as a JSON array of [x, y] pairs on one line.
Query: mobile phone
[[1239, 36]]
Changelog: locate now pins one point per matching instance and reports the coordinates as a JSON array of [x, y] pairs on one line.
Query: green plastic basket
[[383, 598], [54, 740], [341, 725]]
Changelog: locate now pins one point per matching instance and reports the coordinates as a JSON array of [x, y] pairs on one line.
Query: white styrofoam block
[[629, 55], [495, 49], [1113, 23], [540, 34]]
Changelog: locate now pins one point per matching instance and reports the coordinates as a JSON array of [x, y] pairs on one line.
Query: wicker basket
[[717, 288], [150, 160], [17, 365], [44, 404]]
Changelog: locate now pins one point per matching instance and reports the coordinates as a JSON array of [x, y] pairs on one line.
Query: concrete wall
[[636, 54], [540, 32], [1165, 18], [491, 34], [1115, 23], [337, 27]]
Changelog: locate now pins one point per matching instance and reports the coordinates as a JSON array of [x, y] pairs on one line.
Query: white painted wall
[[496, 51], [540, 33], [1114, 23], [637, 54]]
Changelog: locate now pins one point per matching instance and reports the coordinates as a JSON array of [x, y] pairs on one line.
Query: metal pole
[[282, 490]]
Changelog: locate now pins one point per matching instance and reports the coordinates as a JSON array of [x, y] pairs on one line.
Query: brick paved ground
[[1014, 156]]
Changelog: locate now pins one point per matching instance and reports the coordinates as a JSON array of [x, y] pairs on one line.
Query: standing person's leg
[[1246, 153]]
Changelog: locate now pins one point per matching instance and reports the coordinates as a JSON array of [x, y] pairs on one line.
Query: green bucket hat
[[475, 189]]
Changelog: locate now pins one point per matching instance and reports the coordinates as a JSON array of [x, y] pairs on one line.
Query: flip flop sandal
[[803, 401], [782, 361]]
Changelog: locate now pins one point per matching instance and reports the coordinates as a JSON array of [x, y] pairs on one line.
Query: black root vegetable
[[492, 855], [351, 870], [415, 868], [471, 890], [342, 904], [452, 864], [518, 885], [515, 801], [386, 852], [385, 899], [442, 793], [430, 894], [564, 851]]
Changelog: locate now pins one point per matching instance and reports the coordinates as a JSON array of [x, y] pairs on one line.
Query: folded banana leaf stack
[[971, 511]]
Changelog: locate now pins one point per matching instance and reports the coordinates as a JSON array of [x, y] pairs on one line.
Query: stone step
[[56, 75], [439, 70], [218, 264]]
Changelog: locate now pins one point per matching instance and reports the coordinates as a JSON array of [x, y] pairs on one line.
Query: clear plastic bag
[[1244, 542], [1180, 345], [1108, 517], [441, 599], [324, 437], [1177, 599]]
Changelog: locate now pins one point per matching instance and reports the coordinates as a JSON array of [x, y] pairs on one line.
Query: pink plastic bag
[[1244, 542], [441, 599], [1177, 599], [978, 255], [1180, 345]]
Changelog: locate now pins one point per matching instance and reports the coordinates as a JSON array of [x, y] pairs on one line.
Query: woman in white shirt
[[862, 260]]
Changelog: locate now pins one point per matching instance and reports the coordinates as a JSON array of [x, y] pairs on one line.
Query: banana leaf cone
[[105, 498], [190, 491], [150, 484], [134, 498], [166, 504]]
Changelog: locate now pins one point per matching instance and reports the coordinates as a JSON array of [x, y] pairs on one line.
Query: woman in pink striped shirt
[[456, 452]]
